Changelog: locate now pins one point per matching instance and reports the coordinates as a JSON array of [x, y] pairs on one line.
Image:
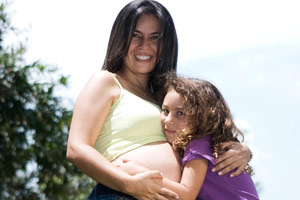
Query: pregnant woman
[[116, 114]]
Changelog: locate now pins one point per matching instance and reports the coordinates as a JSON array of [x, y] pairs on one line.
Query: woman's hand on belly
[[154, 187], [130, 167], [156, 156]]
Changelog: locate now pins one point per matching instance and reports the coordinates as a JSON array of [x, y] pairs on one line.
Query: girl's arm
[[192, 179], [90, 112], [237, 157]]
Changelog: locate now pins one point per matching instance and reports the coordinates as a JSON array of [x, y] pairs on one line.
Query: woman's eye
[[154, 37], [135, 35]]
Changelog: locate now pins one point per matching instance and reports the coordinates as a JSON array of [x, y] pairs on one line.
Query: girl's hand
[[148, 185], [237, 157]]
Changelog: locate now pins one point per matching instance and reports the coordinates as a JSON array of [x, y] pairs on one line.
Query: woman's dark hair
[[122, 32], [206, 113]]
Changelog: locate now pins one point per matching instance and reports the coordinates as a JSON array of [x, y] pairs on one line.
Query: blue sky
[[249, 49], [262, 88]]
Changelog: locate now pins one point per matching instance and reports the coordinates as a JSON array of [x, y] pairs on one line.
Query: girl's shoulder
[[199, 148], [196, 142]]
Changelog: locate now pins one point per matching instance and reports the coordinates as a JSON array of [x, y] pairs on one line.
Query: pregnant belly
[[157, 156]]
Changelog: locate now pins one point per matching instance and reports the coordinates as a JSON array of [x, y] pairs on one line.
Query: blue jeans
[[101, 192]]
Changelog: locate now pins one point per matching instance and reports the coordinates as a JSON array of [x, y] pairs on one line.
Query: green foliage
[[34, 127]]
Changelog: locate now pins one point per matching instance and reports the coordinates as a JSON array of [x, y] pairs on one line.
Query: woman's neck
[[136, 83], [139, 80]]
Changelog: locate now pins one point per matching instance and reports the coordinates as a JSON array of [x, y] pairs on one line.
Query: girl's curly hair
[[206, 113]]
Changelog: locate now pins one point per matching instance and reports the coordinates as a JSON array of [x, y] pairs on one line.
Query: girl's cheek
[[181, 125]]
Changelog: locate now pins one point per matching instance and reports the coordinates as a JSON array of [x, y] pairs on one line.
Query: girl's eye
[[180, 113], [166, 111]]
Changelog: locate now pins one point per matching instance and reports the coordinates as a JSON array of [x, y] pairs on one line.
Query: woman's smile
[[141, 57]]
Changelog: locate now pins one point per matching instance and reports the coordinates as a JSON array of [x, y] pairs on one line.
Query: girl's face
[[142, 53], [172, 116]]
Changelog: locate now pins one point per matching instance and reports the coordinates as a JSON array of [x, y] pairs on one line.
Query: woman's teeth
[[143, 57]]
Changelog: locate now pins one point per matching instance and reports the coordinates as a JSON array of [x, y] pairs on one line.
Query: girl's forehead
[[173, 97], [174, 93]]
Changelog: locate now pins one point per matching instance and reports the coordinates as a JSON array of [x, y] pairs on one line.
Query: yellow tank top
[[131, 123]]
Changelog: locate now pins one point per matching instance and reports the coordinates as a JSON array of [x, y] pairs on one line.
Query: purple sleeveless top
[[217, 187]]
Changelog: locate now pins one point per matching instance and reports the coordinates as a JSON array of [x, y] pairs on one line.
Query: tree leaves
[[34, 126]]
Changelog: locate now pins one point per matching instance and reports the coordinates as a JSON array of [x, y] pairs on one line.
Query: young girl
[[196, 120]]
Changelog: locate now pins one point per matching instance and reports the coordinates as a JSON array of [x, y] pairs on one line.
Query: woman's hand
[[129, 166], [148, 185], [237, 157]]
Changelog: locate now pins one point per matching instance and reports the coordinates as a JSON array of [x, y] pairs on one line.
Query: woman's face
[[142, 53], [172, 116]]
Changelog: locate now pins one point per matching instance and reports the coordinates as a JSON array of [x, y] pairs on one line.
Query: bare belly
[[157, 156]]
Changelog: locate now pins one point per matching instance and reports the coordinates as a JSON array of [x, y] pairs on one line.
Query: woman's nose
[[143, 43]]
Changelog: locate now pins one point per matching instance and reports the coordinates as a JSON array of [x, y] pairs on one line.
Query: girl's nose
[[169, 120]]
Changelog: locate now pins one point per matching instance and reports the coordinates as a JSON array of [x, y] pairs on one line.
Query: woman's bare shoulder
[[102, 84], [103, 76], [102, 80]]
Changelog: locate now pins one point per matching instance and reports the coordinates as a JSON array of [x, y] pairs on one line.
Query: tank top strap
[[119, 84]]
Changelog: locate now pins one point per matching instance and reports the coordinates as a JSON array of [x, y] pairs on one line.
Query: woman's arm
[[192, 179], [237, 157], [90, 112]]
